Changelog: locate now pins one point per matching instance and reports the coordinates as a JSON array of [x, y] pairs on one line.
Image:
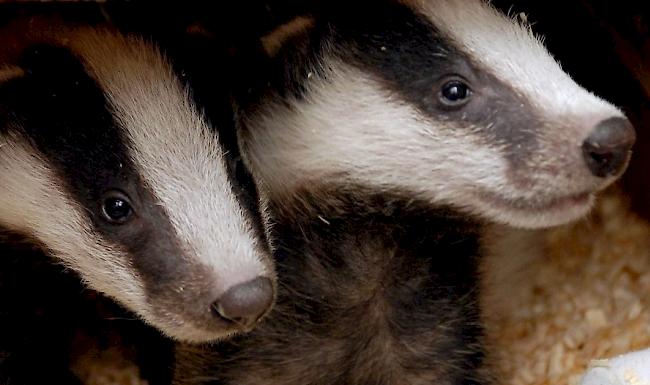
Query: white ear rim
[[8, 72], [275, 39]]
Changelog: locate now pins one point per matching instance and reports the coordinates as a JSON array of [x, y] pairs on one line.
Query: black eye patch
[[408, 55], [63, 112], [414, 61]]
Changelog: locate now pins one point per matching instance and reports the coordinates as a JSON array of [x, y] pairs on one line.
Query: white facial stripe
[[177, 153], [512, 52], [51, 217], [36, 203], [351, 129]]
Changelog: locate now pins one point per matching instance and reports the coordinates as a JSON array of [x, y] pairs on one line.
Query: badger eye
[[116, 207], [454, 93]]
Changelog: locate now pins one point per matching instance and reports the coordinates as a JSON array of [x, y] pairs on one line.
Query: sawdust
[[107, 368], [584, 297], [575, 294]]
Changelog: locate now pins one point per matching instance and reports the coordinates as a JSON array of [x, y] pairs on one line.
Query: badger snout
[[244, 304], [204, 310], [607, 148], [559, 181], [220, 310]]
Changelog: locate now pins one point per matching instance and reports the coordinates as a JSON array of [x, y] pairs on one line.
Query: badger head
[[449, 101], [106, 162]]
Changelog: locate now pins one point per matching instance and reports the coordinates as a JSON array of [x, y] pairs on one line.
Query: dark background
[[47, 318]]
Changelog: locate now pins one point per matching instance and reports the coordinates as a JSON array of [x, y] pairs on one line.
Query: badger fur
[[107, 164], [387, 135]]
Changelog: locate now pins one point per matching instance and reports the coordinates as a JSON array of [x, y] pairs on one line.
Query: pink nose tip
[[244, 304], [608, 147]]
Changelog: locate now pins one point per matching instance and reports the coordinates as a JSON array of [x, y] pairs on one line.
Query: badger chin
[[199, 336], [536, 213], [189, 332]]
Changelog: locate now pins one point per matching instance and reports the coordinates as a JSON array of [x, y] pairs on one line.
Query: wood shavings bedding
[[557, 300], [583, 297]]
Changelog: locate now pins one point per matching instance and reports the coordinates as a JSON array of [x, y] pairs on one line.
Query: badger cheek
[[544, 189], [535, 212], [543, 182]]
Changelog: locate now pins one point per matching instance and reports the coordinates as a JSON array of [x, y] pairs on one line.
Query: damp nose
[[244, 304], [608, 147]]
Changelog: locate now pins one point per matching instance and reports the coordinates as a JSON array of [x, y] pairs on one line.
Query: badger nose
[[244, 304], [607, 148]]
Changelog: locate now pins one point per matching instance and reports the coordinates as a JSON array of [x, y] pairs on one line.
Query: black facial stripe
[[63, 112], [411, 59], [406, 51]]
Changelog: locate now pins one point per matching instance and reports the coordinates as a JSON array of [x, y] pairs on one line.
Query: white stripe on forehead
[[510, 50], [176, 152]]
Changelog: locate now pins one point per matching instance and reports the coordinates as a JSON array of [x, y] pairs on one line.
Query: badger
[[387, 137], [108, 165]]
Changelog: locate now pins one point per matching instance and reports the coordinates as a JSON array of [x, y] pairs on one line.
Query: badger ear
[[45, 82], [9, 72], [49, 66], [277, 38], [50, 61]]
